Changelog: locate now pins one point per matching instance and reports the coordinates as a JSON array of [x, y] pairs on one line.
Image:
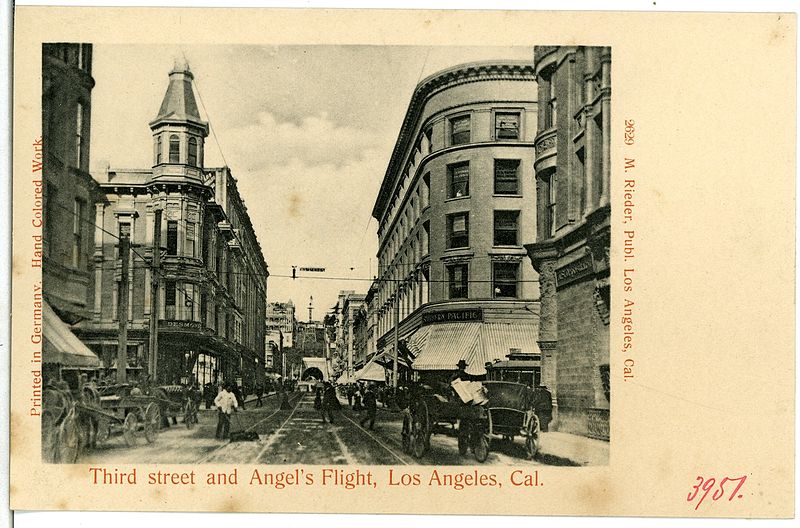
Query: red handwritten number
[[706, 485]]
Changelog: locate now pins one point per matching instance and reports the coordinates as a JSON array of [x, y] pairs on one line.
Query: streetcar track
[[274, 435], [398, 457], [213, 452]]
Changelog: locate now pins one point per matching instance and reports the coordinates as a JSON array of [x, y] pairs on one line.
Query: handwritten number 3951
[[706, 485]]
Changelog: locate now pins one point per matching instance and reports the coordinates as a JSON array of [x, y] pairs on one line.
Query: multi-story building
[[571, 252], [454, 208], [212, 278], [279, 332], [68, 192]]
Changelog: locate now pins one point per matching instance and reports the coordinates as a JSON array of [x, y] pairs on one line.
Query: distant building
[[279, 333], [69, 194], [212, 281], [455, 206], [571, 252]]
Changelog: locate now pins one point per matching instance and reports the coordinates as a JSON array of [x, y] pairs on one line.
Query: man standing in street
[[370, 407], [226, 404], [543, 406]]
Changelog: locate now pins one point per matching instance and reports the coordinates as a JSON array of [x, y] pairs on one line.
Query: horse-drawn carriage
[[505, 410], [73, 419]]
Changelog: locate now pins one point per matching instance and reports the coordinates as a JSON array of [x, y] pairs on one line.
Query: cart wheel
[[103, 431], [68, 443], [421, 440], [406, 437], [481, 447], [463, 438], [190, 414], [49, 438], [531, 446], [152, 422], [129, 427]]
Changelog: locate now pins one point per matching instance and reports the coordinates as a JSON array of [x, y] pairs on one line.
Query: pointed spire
[[179, 103]]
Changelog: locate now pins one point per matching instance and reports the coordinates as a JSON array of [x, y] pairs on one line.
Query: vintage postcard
[[376, 261]]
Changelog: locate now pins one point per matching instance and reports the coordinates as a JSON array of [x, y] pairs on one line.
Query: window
[[425, 191], [553, 104], [77, 239], [506, 125], [506, 180], [457, 281], [429, 137], [174, 149], [203, 308], [158, 150], [170, 295], [79, 136], [50, 206], [504, 279], [458, 180], [191, 230], [551, 205], [459, 130], [172, 237], [193, 152], [458, 230], [505, 228]]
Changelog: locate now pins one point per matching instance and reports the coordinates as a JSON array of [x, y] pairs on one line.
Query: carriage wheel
[[190, 414], [463, 438], [49, 438], [406, 436], [129, 428], [68, 443], [531, 441], [481, 447], [56, 404], [421, 430], [87, 431], [152, 422], [103, 431], [90, 396]]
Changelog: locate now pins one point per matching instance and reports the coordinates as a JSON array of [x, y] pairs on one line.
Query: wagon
[[510, 413], [177, 400], [429, 412], [72, 420]]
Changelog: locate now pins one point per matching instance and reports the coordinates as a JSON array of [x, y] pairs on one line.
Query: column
[[99, 211], [606, 132]]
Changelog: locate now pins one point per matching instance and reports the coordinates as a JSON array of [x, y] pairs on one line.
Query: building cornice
[[427, 88]]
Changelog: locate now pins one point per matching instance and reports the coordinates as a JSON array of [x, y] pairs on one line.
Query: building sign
[[316, 270], [453, 316], [188, 326], [574, 271]]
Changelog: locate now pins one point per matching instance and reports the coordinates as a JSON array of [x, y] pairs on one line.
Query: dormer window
[[193, 152], [174, 149]]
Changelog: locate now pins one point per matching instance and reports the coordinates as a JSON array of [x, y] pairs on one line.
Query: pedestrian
[[237, 392], [350, 391], [226, 405], [370, 407], [330, 402], [543, 406], [259, 393], [318, 401], [461, 373], [208, 395]]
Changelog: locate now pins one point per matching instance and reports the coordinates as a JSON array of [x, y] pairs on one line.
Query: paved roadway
[[295, 436]]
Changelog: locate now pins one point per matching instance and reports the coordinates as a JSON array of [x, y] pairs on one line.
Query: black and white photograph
[[336, 255]]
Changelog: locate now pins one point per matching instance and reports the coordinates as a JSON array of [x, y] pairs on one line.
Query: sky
[[307, 131]]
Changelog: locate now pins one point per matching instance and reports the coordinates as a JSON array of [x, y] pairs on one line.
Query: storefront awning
[[386, 359], [446, 344], [372, 371], [442, 346], [61, 346]]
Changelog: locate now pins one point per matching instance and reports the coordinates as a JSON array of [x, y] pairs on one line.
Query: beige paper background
[[713, 97]]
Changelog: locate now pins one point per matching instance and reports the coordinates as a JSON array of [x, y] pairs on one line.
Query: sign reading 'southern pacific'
[[453, 316]]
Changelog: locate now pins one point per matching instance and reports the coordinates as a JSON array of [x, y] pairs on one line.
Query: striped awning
[[440, 347], [446, 344], [372, 371], [498, 339], [61, 346]]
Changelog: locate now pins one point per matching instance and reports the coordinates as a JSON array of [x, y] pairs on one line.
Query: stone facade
[[457, 201], [68, 189], [212, 277], [572, 164]]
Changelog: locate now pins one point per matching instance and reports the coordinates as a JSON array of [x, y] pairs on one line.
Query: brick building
[[212, 278], [571, 252], [68, 193], [454, 208]]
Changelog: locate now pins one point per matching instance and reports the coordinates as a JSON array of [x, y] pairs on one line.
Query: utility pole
[[154, 300], [396, 330], [122, 311]]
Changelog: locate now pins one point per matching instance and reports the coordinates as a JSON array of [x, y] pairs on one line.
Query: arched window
[[174, 149], [158, 150], [193, 152]]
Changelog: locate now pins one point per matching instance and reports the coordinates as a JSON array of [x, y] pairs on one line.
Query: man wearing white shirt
[[226, 404]]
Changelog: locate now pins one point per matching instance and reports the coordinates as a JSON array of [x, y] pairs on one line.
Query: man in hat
[[543, 407], [461, 373]]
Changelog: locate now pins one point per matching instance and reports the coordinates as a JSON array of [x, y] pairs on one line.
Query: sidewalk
[[566, 449]]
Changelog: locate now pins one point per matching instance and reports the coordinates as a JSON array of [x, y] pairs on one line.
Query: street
[[298, 436]]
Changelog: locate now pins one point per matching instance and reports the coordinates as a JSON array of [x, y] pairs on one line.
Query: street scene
[[251, 255]]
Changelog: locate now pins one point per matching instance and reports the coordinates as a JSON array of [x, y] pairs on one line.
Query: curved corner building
[[456, 205]]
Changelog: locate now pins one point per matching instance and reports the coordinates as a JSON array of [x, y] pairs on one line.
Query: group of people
[[363, 398]]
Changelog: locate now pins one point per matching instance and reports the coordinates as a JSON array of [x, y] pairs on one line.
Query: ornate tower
[[178, 132]]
